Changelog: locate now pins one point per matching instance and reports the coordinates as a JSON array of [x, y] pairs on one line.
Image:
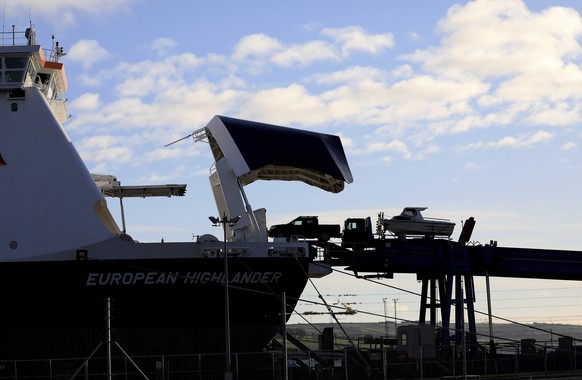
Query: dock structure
[[446, 269]]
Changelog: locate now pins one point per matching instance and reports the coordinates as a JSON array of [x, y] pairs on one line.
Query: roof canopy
[[269, 152]]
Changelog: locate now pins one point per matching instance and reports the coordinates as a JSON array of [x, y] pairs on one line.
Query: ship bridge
[[23, 64]]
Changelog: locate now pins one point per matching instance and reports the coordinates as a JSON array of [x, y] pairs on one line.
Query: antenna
[[180, 139], [198, 135], [3, 19]]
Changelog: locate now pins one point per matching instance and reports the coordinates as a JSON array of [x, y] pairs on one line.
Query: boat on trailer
[[63, 257], [412, 222]]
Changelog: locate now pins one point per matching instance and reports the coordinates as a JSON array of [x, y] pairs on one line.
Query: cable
[[476, 311]]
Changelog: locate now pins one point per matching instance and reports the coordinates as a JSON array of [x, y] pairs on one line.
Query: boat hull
[[426, 227], [172, 306]]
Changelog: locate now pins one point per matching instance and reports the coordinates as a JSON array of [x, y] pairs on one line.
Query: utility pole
[[230, 222], [385, 318], [395, 318]]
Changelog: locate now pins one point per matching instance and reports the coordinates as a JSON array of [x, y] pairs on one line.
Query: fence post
[[384, 363], [421, 365], [485, 369], [273, 365], [516, 358], [346, 363]]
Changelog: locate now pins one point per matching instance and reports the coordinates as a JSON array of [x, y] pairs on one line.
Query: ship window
[[410, 213], [17, 93], [12, 69], [43, 78], [13, 76], [16, 62], [404, 340]]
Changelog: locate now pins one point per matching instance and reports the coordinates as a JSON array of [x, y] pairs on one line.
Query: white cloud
[[555, 114], [529, 56], [404, 71], [414, 36], [65, 12], [347, 142], [90, 80], [105, 149], [86, 102], [150, 77], [87, 52], [306, 54], [256, 45], [538, 137], [476, 77], [386, 160], [502, 37], [284, 105], [472, 166], [161, 45], [356, 39], [523, 141], [252, 53], [260, 49], [179, 151], [527, 63], [355, 74], [569, 146], [394, 146]]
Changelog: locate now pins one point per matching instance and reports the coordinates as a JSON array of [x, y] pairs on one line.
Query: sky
[[469, 108]]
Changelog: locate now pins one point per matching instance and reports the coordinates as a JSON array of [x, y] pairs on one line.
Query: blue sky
[[470, 108]]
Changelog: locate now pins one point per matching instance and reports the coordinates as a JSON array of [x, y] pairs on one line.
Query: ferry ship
[[69, 272]]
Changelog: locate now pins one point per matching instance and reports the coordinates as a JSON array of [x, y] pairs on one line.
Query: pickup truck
[[307, 227]]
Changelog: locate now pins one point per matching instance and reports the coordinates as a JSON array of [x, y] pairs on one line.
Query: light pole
[[395, 317], [231, 222], [385, 318]]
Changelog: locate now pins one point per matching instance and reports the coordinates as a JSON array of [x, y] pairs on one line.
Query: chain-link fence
[[508, 359]]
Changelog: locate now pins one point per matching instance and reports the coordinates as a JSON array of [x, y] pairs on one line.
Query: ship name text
[[177, 278]]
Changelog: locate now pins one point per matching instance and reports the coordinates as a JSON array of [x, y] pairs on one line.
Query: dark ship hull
[[156, 306]]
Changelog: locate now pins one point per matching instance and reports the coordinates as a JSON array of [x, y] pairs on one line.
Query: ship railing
[[287, 251], [242, 249], [232, 252], [27, 37], [13, 38], [298, 249], [52, 55], [435, 219]]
